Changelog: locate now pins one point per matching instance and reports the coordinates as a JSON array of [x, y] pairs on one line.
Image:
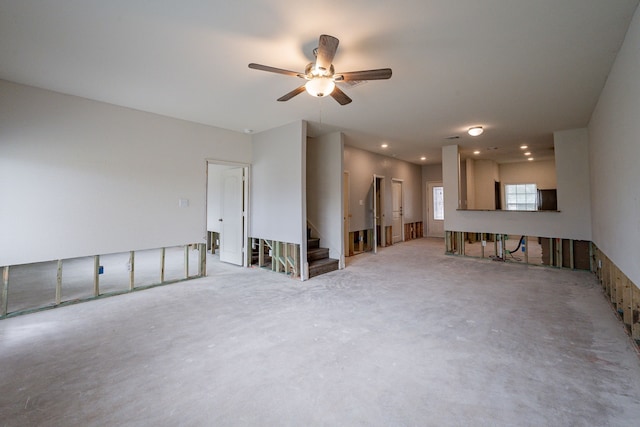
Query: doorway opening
[[397, 226], [227, 207], [435, 209], [379, 228]]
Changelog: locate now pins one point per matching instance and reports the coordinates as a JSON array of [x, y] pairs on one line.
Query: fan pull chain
[[320, 101]]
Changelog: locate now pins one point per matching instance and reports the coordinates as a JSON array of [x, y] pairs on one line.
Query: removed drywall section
[[81, 177], [324, 191], [362, 165], [614, 152], [278, 184]]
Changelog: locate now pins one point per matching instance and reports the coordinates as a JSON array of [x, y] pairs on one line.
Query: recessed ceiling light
[[476, 152], [384, 145], [530, 158], [524, 147], [475, 131], [528, 153], [423, 158], [248, 131]]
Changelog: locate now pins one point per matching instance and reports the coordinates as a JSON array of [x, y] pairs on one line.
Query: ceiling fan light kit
[[321, 76], [320, 86]]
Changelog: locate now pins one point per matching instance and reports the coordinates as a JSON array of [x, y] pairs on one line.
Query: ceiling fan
[[320, 75]]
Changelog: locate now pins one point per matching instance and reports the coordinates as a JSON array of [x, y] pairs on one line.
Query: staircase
[[318, 259]]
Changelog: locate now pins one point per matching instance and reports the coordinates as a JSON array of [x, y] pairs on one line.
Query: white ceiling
[[520, 68]]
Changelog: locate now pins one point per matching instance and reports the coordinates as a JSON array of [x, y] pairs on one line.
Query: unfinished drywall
[[324, 192], [614, 151], [362, 165], [572, 168], [278, 184], [81, 177]]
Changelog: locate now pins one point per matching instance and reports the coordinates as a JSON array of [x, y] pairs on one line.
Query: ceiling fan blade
[[274, 70], [340, 96], [327, 47], [379, 74], [296, 91]]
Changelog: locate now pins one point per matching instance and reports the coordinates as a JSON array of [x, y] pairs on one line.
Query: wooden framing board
[[186, 261], [5, 291], [132, 261], [163, 254], [202, 265], [59, 283], [96, 275]]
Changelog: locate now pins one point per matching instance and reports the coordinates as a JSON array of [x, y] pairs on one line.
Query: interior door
[[232, 229], [347, 215], [396, 200], [435, 209], [376, 219]]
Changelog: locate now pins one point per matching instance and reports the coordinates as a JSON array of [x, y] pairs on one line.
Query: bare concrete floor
[[406, 337]]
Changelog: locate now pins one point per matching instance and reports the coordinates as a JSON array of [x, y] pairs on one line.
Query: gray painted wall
[[573, 220], [362, 165], [324, 192], [81, 177], [278, 184], [614, 150]]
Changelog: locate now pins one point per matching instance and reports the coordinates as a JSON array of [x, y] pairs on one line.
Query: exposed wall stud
[[162, 259], [186, 261], [132, 259], [202, 269], [5, 291], [572, 262], [96, 275], [59, 283]]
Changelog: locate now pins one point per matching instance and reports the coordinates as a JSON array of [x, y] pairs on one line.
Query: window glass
[[521, 197], [438, 203]]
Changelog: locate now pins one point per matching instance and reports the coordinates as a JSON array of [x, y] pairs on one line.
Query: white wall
[[486, 174], [572, 169], [614, 154], [542, 173], [278, 184], [362, 165], [324, 191], [81, 177]]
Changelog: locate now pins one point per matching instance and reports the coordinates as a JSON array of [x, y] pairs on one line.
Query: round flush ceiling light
[[475, 131], [320, 86]]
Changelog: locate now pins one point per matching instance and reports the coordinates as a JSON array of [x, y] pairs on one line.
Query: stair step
[[322, 266], [317, 253], [313, 243]]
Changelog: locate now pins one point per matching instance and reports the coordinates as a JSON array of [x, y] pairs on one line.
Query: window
[[438, 203], [521, 197]]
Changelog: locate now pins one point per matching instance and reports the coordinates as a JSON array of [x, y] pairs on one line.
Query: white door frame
[[401, 181], [245, 219], [430, 185], [345, 214], [378, 211]]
